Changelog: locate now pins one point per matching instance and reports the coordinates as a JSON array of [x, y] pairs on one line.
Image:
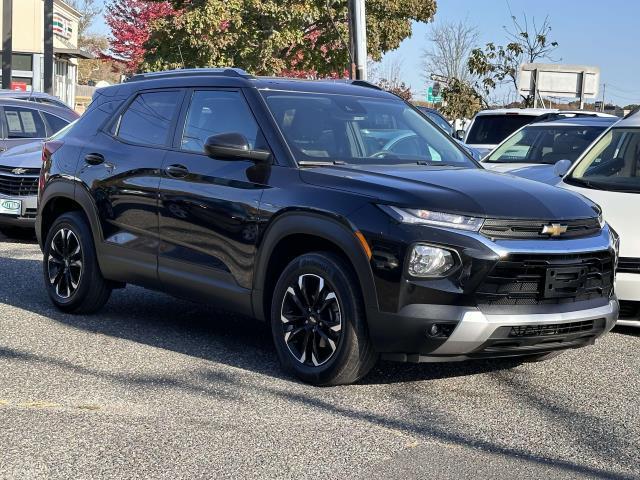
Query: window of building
[[148, 118], [213, 112], [22, 61], [24, 123]]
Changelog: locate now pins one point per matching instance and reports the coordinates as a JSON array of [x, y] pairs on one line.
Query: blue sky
[[590, 32]]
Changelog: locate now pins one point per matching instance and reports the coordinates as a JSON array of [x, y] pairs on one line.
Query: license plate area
[[8, 206], [565, 282]]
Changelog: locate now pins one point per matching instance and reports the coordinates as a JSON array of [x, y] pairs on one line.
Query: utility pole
[[604, 89], [358, 39], [48, 47], [7, 42]]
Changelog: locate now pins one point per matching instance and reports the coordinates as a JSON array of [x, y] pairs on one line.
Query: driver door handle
[[177, 171], [94, 158]]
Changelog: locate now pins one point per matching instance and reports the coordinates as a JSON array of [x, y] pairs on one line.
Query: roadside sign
[[432, 95]]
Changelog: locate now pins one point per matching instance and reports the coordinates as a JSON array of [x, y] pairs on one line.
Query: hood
[[470, 191], [28, 155], [503, 167], [481, 148], [539, 173]]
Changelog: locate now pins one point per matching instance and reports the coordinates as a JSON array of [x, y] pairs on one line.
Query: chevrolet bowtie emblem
[[554, 230], [19, 171]]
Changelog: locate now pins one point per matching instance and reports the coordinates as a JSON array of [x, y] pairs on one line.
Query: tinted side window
[[213, 112], [147, 119], [55, 123], [24, 123]]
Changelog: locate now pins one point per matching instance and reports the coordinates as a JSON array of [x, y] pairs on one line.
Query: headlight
[[428, 217], [428, 261]]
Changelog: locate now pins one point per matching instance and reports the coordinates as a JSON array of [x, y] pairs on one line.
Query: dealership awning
[[73, 53]]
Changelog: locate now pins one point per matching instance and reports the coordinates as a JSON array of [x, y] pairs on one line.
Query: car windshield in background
[[612, 164], [360, 130], [493, 129], [545, 144], [437, 119]]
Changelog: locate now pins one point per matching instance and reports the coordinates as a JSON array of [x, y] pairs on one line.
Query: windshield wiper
[[314, 163]]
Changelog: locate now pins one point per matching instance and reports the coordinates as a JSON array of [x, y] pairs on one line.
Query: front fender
[[330, 228]]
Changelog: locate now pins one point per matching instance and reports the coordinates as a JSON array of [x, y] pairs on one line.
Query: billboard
[[572, 81]]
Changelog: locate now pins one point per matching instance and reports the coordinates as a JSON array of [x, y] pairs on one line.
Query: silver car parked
[[23, 127]]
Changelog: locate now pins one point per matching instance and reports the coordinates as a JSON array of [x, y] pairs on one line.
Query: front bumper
[[478, 334], [446, 319]]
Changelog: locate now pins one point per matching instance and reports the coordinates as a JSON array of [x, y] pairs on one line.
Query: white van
[[609, 174]]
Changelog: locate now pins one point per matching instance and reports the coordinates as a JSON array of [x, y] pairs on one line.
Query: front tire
[[71, 273], [318, 322]]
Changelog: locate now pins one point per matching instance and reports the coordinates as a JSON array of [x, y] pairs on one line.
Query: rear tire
[[318, 322], [71, 273]]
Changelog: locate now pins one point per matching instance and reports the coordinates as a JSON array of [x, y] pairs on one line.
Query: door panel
[[209, 208], [123, 178]]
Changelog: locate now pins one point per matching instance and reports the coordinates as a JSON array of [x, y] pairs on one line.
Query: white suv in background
[[609, 174], [490, 127]]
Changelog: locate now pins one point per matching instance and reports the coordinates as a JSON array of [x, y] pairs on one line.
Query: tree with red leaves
[[130, 22]]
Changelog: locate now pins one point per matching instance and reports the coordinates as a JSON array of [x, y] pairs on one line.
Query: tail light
[[48, 149]]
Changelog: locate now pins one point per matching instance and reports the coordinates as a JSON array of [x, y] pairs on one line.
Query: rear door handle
[[94, 159], [177, 171]]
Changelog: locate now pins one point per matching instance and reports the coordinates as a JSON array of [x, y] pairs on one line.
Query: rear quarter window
[[493, 129]]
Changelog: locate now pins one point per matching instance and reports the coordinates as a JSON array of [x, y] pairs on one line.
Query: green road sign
[[431, 98]]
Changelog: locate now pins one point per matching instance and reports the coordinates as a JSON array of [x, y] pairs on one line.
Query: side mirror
[[459, 134], [233, 146], [561, 168]]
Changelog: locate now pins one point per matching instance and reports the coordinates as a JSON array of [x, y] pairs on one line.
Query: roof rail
[[365, 83], [549, 117], [191, 72]]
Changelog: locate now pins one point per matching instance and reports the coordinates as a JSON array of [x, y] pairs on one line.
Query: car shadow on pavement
[[160, 321]]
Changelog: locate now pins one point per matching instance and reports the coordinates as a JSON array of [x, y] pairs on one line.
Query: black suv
[[331, 209]]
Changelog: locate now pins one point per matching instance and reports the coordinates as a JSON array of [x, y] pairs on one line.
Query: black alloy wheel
[[64, 263], [312, 320], [318, 322]]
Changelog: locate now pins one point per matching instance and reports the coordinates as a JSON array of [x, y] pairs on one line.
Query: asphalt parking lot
[[155, 387]]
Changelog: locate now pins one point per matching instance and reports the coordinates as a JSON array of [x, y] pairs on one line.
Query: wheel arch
[[295, 233], [61, 197]]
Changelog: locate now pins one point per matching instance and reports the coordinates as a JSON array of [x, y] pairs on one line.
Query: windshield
[[493, 129], [360, 130], [545, 144], [613, 163]]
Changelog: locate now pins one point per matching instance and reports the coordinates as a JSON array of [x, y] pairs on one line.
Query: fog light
[[428, 261]]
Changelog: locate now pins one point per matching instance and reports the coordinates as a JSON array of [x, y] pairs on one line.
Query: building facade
[[28, 47]]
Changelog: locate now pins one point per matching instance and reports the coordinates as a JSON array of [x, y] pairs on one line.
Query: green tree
[[460, 100], [270, 37], [527, 43]]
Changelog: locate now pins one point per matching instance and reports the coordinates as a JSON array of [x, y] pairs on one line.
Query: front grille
[[522, 229], [540, 279], [553, 329], [628, 265], [629, 310], [18, 185]]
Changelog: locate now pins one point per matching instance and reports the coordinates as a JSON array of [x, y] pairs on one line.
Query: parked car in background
[[437, 117], [609, 174], [490, 127], [23, 122], [37, 97], [334, 211], [444, 124], [533, 151], [20, 165]]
